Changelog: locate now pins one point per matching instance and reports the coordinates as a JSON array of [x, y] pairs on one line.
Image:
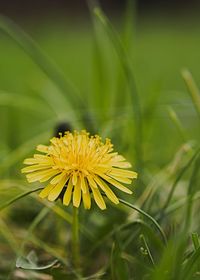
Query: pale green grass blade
[[195, 240], [191, 265], [162, 178], [193, 187], [181, 173], [192, 89], [175, 119], [180, 203]]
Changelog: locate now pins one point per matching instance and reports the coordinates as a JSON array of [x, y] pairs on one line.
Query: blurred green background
[[160, 46], [160, 40]]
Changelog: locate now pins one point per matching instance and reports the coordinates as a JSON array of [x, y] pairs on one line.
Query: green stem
[[75, 239], [147, 216]]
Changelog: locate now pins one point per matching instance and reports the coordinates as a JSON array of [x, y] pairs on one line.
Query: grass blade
[[14, 199], [195, 240], [147, 216], [146, 248], [181, 173], [177, 123], [192, 89], [126, 66]]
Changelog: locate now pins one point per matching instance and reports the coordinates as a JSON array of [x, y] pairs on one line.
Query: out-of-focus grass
[[159, 52], [116, 243]]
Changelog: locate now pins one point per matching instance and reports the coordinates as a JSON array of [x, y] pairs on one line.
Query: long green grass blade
[[127, 68], [17, 197], [147, 216]]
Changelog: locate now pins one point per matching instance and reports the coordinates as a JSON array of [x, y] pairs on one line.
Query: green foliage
[[130, 90]]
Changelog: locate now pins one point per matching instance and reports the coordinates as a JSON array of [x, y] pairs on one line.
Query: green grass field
[[133, 87]]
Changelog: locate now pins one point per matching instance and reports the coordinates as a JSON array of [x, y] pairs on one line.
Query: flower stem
[[75, 239]]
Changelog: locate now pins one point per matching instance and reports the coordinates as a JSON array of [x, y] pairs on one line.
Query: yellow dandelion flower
[[77, 165]]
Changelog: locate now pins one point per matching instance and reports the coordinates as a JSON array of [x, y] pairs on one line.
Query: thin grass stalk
[[148, 217], [146, 248]]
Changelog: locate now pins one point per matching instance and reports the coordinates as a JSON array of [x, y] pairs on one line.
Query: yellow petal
[[30, 161], [42, 157], [77, 193], [68, 193], [33, 168], [86, 197], [123, 173], [57, 178], [42, 148], [98, 198], [45, 192], [122, 164], [110, 194], [117, 158], [115, 183], [37, 176], [38, 160], [91, 182], [48, 176], [121, 179], [74, 178], [83, 184], [55, 192]]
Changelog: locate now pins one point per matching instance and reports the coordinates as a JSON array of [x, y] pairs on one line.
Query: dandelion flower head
[[77, 165]]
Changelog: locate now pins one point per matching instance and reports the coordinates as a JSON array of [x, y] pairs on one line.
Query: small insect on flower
[[77, 165]]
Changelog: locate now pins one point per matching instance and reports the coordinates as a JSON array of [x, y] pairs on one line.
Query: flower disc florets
[[77, 165]]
